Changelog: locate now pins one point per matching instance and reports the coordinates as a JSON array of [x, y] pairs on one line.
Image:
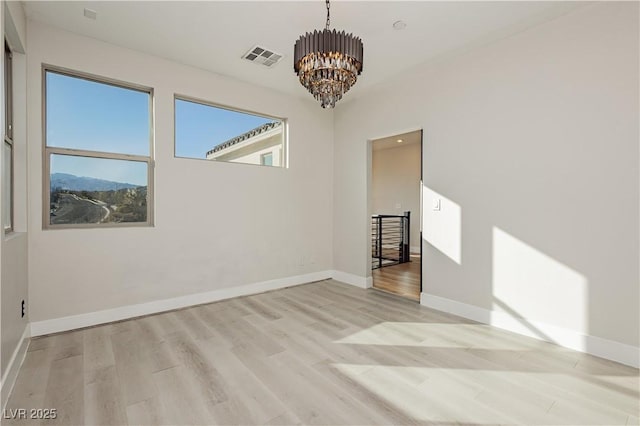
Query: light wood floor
[[402, 279], [322, 353]]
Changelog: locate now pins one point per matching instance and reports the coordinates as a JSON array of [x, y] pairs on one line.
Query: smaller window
[[7, 154], [267, 159], [215, 133]]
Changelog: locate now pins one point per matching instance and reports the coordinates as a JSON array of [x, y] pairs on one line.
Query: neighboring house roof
[[243, 137]]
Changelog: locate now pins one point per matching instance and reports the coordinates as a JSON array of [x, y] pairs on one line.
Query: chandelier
[[328, 63]]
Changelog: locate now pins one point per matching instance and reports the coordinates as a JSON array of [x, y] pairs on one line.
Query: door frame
[[369, 196]]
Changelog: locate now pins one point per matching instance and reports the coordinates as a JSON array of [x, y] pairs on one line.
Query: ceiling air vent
[[260, 55]]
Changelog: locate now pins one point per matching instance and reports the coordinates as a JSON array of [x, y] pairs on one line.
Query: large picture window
[[216, 133], [98, 151], [7, 155]]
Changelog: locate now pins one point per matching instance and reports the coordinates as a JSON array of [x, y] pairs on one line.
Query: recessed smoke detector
[[90, 13], [399, 25], [262, 55]]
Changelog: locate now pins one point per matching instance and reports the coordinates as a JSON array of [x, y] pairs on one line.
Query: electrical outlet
[[22, 306]]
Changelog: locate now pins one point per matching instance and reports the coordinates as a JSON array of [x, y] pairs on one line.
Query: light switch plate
[[436, 205]]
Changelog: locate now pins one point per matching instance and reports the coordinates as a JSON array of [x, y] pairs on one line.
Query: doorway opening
[[395, 207]]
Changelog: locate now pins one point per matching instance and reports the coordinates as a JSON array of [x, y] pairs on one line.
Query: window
[[7, 155], [267, 159], [98, 150], [214, 133]]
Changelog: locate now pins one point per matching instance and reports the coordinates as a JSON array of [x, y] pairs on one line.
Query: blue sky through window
[[83, 114], [92, 116], [200, 127]]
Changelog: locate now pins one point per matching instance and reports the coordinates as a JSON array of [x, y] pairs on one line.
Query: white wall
[[217, 225], [13, 247], [395, 180], [533, 140]]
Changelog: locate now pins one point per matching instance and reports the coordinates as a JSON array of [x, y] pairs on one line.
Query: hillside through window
[[214, 133], [98, 152]]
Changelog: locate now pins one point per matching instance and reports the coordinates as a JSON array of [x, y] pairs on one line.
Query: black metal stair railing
[[389, 239]]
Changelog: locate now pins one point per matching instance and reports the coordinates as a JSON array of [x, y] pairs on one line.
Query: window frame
[[285, 130], [8, 129], [48, 151]]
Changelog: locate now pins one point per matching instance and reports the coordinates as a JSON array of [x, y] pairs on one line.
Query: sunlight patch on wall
[[442, 224], [528, 284]]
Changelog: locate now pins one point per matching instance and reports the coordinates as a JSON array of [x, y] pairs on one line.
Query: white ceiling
[[390, 142], [214, 35]]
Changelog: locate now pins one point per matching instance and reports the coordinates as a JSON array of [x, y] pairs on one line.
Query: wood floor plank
[[158, 351], [31, 383], [286, 419], [133, 369], [103, 402], [251, 400], [65, 391], [236, 329], [254, 304], [192, 323], [97, 350], [402, 280], [391, 412], [147, 412], [308, 406], [202, 374], [350, 409], [179, 400]]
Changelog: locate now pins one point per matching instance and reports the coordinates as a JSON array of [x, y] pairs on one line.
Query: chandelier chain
[[328, 16]]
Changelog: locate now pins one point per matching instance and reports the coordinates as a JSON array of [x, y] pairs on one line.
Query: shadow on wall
[[442, 224]]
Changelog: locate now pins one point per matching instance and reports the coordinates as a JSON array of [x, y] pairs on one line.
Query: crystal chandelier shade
[[328, 63]]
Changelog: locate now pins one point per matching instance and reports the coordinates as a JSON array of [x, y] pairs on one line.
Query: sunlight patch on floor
[[490, 397], [437, 335]]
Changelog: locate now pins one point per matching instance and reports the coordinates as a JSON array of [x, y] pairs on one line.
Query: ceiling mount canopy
[[328, 63]]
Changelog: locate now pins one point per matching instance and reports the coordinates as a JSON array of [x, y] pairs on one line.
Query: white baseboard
[[39, 328], [356, 280], [11, 373], [609, 349]]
